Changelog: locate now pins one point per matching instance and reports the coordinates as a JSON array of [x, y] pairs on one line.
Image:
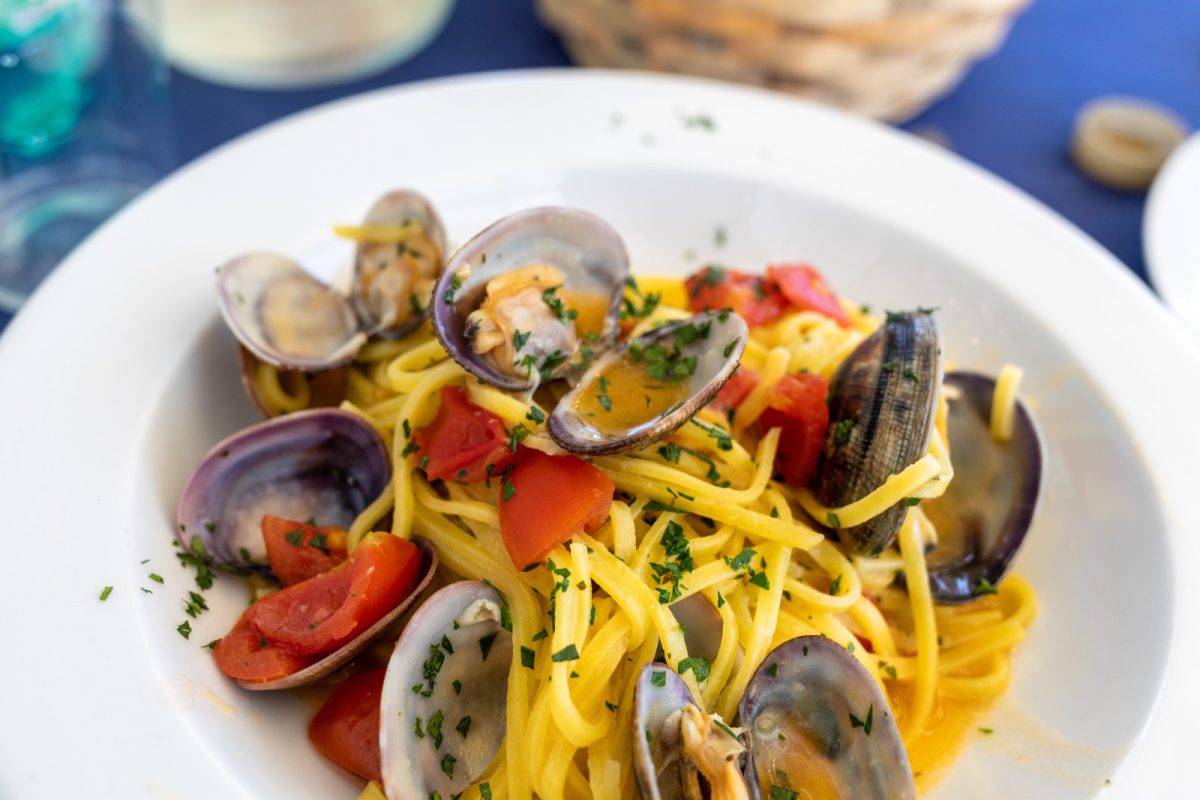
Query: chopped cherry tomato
[[463, 440], [807, 290], [547, 500], [326, 611], [297, 551], [735, 390], [246, 655], [756, 299], [797, 407], [346, 728]]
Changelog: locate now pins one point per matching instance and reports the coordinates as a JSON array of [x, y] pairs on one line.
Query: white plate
[[1172, 237], [118, 375]]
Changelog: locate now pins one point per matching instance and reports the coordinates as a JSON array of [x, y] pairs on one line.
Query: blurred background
[[1078, 102]]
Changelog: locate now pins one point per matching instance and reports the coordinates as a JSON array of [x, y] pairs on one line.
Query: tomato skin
[[807, 290], [555, 498], [298, 559], [754, 298], [797, 407], [346, 728], [328, 610], [244, 655], [736, 389], [463, 440]]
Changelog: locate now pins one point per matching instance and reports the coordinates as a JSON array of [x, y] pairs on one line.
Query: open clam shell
[[818, 725], [659, 697], [443, 706], [582, 247], [285, 316], [324, 464], [394, 279], [984, 514], [882, 405], [644, 389], [339, 658]]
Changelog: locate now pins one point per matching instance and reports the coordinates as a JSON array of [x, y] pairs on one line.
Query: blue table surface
[[1012, 115]]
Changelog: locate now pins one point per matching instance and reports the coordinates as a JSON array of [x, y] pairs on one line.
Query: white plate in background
[[118, 375], [1171, 232]]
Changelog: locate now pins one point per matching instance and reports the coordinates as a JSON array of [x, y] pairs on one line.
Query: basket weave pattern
[[882, 58]]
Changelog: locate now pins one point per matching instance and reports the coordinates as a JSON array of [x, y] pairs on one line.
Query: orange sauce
[[624, 397], [948, 730], [592, 308]]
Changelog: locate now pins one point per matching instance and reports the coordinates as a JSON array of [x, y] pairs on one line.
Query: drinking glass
[[84, 126]]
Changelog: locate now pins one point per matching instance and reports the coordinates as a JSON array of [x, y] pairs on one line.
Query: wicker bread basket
[[882, 58]]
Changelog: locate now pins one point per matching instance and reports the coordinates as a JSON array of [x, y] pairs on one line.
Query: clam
[[642, 390], [813, 724], [818, 724], [882, 404], [285, 316], [984, 514], [443, 706], [332, 662], [323, 464], [394, 275], [521, 301]]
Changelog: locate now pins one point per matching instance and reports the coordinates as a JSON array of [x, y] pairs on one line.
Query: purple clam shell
[[339, 658], [986, 511], [323, 464], [813, 688], [652, 705], [586, 248], [718, 356], [394, 207], [887, 389], [457, 653]]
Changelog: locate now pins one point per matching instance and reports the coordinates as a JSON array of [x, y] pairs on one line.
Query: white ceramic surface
[[118, 375], [1171, 232]]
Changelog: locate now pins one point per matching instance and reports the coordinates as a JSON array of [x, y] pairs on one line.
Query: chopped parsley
[[987, 731], [454, 284], [485, 644], [535, 415], [865, 724], [516, 436], [527, 657], [457, 686], [658, 678], [833, 520], [724, 440], [648, 302], [837, 583], [781, 793], [434, 728], [772, 669], [551, 298], [677, 561], [520, 338], [185, 630], [985, 587], [568, 653], [728, 351], [105, 592], [670, 452], [841, 431], [463, 726], [508, 490], [698, 666]]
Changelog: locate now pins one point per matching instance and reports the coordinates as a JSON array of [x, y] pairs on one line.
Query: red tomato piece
[[346, 728], [755, 298], [463, 440], [797, 407], [297, 551], [328, 610], [735, 390], [547, 500], [807, 290], [246, 655]]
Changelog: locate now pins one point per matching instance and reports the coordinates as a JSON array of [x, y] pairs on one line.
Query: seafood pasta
[[729, 536]]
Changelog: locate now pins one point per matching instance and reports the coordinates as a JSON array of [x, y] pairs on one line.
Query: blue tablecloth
[[1012, 115]]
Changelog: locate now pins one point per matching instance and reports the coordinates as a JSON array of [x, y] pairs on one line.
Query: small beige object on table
[[1122, 142]]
